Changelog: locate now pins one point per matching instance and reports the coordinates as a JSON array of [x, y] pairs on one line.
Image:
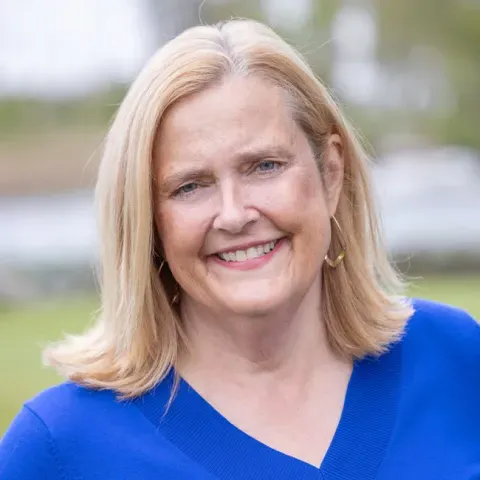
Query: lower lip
[[252, 263]]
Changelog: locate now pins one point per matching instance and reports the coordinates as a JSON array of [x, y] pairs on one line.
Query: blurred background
[[406, 72]]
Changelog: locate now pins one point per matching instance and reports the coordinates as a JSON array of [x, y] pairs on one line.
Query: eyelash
[[180, 193], [276, 164]]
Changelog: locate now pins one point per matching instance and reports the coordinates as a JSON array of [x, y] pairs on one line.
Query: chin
[[253, 304]]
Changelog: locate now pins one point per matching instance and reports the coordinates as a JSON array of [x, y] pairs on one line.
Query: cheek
[[298, 201], [299, 208], [181, 231]]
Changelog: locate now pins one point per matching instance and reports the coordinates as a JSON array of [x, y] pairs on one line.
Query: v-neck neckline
[[355, 452]]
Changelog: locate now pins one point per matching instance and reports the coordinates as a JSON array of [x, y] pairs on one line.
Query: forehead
[[235, 117]]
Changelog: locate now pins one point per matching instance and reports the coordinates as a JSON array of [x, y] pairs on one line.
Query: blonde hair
[[137, 335]]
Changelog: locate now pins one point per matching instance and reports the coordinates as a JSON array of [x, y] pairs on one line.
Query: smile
[[248, 254]]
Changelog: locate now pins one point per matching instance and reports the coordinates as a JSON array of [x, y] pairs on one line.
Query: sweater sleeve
[[28, 450]]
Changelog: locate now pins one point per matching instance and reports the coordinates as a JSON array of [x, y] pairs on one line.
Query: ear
[[333, 171]]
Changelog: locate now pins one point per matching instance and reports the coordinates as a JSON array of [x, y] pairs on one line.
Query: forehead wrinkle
[[198, 164], [185, 140], [246, 155]]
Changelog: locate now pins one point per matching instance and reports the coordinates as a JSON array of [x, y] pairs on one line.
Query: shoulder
[[449, 326], [28, 448], [52, 425], [442, 337], [69, 406], [69, 399], [72, 411]]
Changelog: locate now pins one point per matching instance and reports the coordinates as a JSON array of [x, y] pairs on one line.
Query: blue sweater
[[413, 413]]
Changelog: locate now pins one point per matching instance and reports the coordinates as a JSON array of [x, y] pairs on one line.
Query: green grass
[[24, 330], [23, 333], [460, 291]]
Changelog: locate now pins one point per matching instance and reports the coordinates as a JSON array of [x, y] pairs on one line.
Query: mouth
[[251, 253]]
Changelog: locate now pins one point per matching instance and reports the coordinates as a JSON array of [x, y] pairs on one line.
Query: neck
[[283, 345]]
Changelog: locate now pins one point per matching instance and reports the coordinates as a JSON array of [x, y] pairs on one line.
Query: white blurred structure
[[66, 47], [430, 200], [48, 231]]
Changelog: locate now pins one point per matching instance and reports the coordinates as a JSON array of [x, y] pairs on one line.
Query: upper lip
[[245, 246]]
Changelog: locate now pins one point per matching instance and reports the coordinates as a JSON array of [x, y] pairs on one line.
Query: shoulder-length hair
[[137, 335]]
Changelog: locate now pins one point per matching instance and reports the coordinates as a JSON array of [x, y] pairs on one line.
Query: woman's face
[[240, 205]]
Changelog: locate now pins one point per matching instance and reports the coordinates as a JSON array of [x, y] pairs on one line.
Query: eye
[[186, 189], [267, 166]]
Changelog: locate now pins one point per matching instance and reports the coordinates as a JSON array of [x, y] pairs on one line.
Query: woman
[[251, 325]]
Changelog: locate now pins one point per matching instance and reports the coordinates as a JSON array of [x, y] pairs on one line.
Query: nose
[[234, 214]]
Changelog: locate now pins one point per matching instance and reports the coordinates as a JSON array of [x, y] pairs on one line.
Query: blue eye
[[186, 189], [267, 166]]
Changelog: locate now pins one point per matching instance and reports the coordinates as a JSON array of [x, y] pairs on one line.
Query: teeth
[[250, 253], [241, 255]]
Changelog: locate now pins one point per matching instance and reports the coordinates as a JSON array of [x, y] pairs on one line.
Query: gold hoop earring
[[176, 297], [161, 266], [335, 263]]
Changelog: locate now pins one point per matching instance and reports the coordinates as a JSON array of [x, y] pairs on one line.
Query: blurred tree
[[309, 32], [168, 18], [451, 28], [428, 53]]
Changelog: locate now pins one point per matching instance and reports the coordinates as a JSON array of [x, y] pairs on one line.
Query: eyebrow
[[248, 156], [274, 151]]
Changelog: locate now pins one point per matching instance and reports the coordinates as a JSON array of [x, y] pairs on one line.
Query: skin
[[232, 168]]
